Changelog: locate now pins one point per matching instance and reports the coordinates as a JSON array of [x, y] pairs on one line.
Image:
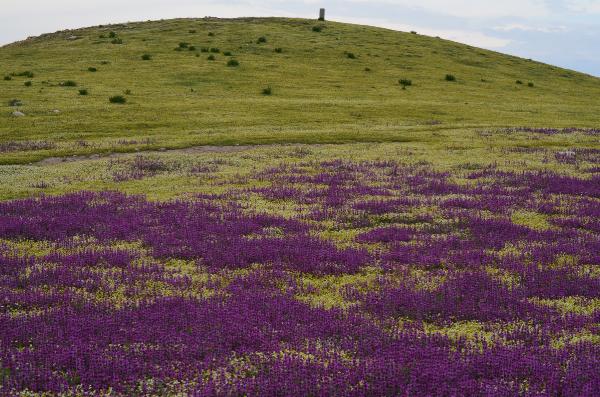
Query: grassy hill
[[330, 83]]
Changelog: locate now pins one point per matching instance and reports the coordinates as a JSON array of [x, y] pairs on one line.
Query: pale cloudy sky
[[560, 32]]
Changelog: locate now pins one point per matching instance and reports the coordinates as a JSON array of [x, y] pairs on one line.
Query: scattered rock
[[162, 149], [16, 113], [15, 102], [73, 37], [56, 111]]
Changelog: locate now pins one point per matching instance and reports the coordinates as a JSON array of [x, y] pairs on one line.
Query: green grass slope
[[331, 83]]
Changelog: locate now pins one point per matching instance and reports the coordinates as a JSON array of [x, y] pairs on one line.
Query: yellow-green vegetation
[[178, 99], [329, 291], [531, 219]]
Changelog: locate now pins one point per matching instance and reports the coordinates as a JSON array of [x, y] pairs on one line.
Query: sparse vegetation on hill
[[320, 95]]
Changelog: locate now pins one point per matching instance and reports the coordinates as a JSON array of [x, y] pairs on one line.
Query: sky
[[559, 32]]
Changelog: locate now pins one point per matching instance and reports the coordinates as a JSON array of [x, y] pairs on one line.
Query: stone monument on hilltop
[[322, 14]]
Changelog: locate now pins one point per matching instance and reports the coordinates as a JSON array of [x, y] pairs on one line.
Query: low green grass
[[323, 96]]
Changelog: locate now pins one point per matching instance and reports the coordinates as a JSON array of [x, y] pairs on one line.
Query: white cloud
[[527, 28], [587, 6], [473, 8]]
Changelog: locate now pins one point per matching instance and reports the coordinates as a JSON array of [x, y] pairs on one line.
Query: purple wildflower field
[[380, 278]]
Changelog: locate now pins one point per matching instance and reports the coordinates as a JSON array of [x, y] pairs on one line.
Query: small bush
[[227, 53], [233, 63], [146, 57], [367, 69], [112, 35], [261, 40], [279, 50], [211, 57], [530, 84], [92, 69], [117, 99], [317, 29], [192, 48], [15, 102], [215, 50], [350, 55], [211, 34], [117, 41], [127, 92], [27, 84], [519, 82], [26, 73], [450, 77], [7, 78], [68, 83], [83, 91], [405, 82], [413, 32], [192, 31], [104, 63], [204, 49], [183, 44], [102, 36], [267, 91]]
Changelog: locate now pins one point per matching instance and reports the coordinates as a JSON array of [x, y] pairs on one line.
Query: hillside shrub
[[92, 69], [7, 78], [192, 48], [261, 40], [68, 83], [211, 34], [183, 44], [27, 83], [117, 41], [317, 29], [119, 99], [112, 35], [450, 77], [267, 91], [15, 102], [211, 57], [215, 50], [227, 53], [405, 82], [519, 82], [26, 73], [83, 91], [127, 92], [192, 31], [350, 55], [530, 84], [146, 57], [233, 63], [279, 50], [204, 49], [367, 69]]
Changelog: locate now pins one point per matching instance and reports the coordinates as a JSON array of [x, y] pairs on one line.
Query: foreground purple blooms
[[487, 286]]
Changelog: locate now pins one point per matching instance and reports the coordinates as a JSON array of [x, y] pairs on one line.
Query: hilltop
[[329, 83]]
